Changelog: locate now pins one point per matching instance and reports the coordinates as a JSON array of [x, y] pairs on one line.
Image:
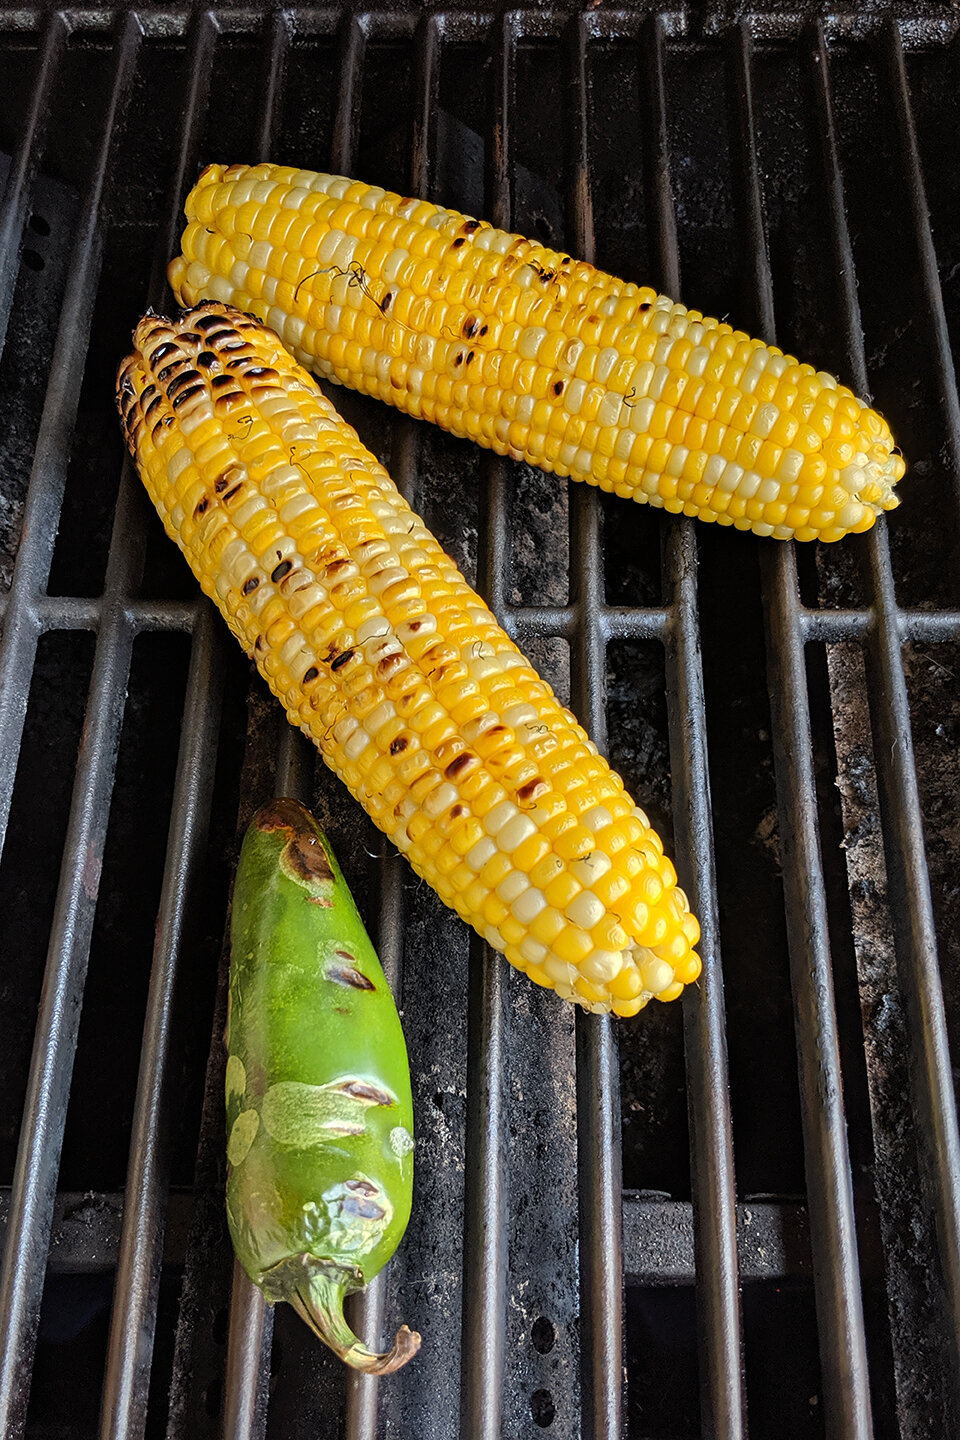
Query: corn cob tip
[[537, 355], [396, 669]]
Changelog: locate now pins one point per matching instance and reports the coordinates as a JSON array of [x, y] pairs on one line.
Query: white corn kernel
[[586, 910], [514, 832]]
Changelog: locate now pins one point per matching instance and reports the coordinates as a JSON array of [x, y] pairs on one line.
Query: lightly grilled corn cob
[[536, 355], [395, 668]]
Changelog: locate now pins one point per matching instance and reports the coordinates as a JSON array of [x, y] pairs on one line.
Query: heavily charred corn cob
[[399, 673], [536, 355]]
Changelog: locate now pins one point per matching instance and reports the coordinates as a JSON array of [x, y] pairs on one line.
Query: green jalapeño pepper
[[319, 1110]]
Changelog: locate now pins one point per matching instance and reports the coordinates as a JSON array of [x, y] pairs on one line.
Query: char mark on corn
[[384, 656], [536, 355]]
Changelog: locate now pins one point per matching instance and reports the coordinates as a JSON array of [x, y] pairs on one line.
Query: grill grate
[[774, 166]]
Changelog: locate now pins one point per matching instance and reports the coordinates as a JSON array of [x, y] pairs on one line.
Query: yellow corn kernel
[[327, 580]]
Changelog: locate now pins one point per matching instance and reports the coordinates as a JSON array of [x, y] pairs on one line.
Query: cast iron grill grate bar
[[840, 1318], [599, 1162], [722, 1402], [133, 1323], [26, 163], [911, 905], [48, 1086], [133, 1320], [250, 1326], [485, 1258]]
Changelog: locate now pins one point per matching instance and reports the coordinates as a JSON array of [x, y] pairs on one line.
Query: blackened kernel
[[386, 302], [470, 225], [198, 389], [342, 659], [162, 351], [188, 377], [170, 370], [232, 494], [469, 327], [646, 305], [284, 568], [157, 400], [470, 354], [483, 329], [250, 585], [558, 387], [398, 746], [201, 507], [311, 675], [458, 242], [207, 357], [207, 322]]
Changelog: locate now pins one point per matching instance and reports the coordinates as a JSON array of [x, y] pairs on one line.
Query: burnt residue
[[366, 1091], [361, 1209], [349, 976], [303, 857]]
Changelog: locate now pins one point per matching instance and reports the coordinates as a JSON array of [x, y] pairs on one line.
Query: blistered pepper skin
[[319, 1107]]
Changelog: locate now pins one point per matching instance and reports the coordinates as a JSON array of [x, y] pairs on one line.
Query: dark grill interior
[[741, 1211]]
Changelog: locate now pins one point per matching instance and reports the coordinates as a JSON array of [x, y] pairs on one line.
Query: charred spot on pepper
[[361, 1209], [348, 976], [307, 859], [366, 1091], [361, 1187]]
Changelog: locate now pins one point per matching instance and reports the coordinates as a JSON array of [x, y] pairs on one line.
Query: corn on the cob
[[396, 669], [536, 355]]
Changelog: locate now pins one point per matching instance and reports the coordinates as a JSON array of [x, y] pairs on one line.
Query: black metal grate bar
[[26, 162], [911, 904], [127, 1377], [722, 1401], [486, 1187], [250, 1332], [368, 1309], [130, 1347], [842, 1334], [599, 1163], [44, 499], [48, 1087]]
